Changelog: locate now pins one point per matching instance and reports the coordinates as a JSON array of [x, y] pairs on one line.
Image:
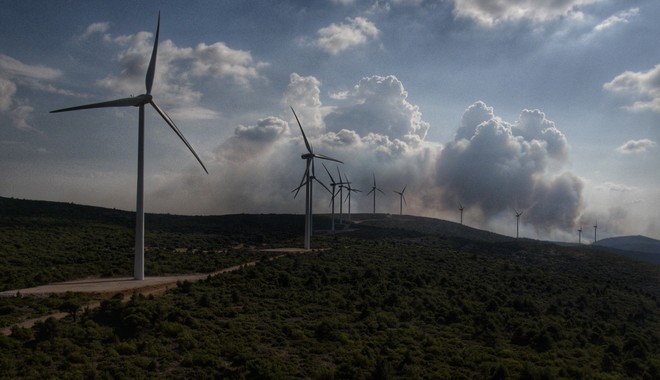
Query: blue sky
[[553, 109]]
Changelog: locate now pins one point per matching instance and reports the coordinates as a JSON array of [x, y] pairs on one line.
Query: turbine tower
[[341, 196], [140, 101], [373, 190], [349, 189], [401, 199], [460, 207], [307, 181], [333, 184], [595, 228], [517, 220], [580, 235]]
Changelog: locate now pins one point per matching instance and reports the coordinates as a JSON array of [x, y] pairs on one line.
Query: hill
[[632, 243], [386, 298], [634, 247]]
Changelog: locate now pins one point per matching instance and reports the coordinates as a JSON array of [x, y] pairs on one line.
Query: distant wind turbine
[[140, 101], [349, 189], [333, 184], [373, 190], [307, 179], [580, 235], [517, 220], [460, 207], [341, 196], [402, 199], [595, 228]]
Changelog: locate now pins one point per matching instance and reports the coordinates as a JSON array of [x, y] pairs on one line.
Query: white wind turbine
[[349, 189], [307, 181], [595, 228], [460, 207], [402, 199], [140, 101], [342, 186], [333, 184], [517, 220], [373, 190], [580, 235]]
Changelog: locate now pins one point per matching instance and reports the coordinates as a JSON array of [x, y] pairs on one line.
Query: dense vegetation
[[378, 303], [45, 242]]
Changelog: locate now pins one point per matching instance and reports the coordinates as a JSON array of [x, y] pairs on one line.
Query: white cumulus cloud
[[494, 166], [336, 38], [493, 12], [622, 17], [636, 146], [643, 87], [177, 71]]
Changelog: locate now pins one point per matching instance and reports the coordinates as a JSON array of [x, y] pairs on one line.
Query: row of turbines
[[309, 177], [307, 181]]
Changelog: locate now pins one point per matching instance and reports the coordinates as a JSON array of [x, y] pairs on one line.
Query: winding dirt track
[[101, 288]]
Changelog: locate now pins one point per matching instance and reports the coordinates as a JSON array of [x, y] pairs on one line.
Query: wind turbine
[[401, 199], [580, 235], [373, 190], [140, 101], [333, 184], [341, 196], [349, 189], [595, 228], [517, 220], [307, 181], [460, 207]]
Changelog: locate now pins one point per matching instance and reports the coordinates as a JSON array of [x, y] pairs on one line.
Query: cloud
[[380, 108], [622, 17], [13, 68], [7, 91], [267, 129], [491, 13], [219, 60], [97, 27], [494, 166], [178, 69], [13, 75], [268, 152], [644, 86], [636, 146], [304, 95], [616, 187], [336, 38]]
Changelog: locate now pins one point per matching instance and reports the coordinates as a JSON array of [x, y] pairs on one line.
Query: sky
[[551, 108]]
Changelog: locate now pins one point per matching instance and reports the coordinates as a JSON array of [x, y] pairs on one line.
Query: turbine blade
[[151, 71], [124, 102], [302, 181], [404, 200], [328, 171], [309, 148], [404, 189], [169, 121], [323, 157], [372, 190], [322, 184], [374, 174], [381, 191]]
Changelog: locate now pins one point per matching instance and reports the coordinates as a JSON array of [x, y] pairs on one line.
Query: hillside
[[632, 243], [386, 298]]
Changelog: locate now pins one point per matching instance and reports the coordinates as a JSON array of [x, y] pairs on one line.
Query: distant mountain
[[637, 247], [632, 243]]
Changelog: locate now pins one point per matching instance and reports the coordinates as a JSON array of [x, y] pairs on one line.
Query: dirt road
[[102, 288]]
